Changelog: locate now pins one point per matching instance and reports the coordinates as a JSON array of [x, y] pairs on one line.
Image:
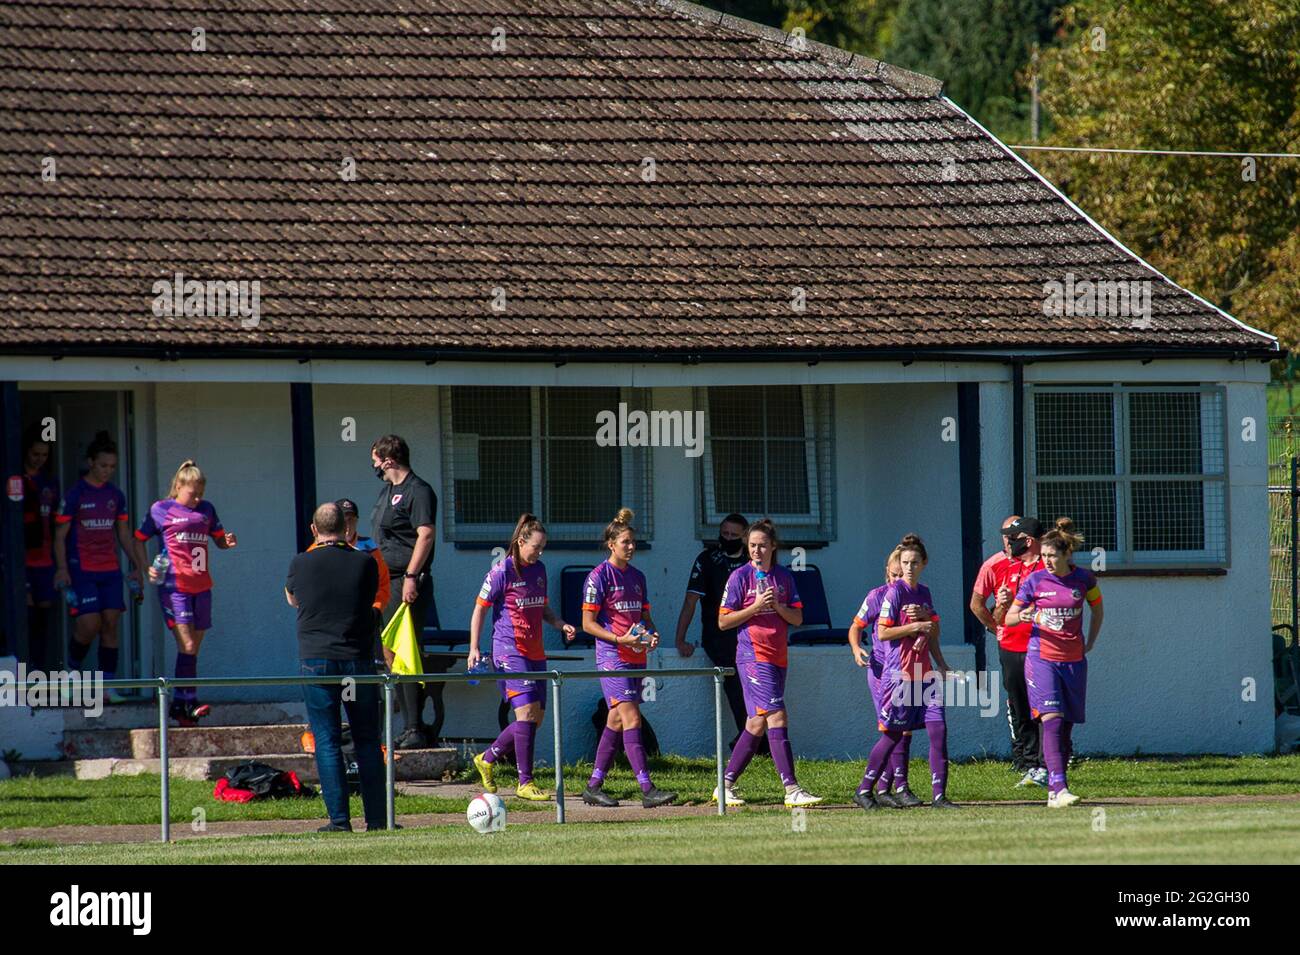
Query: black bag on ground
[[264, 781]]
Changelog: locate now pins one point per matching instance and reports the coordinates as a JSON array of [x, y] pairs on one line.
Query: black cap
[[347, 506], [1029, 526]]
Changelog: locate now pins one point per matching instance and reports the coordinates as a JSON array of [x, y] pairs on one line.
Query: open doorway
[[75, 417]]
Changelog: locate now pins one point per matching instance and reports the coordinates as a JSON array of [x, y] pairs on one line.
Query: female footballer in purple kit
[[1056, 668], [90, 527], [185, 521], [616, 611], [762, 601], [515, 589], [909, 630], [873, 660], [40, 505]]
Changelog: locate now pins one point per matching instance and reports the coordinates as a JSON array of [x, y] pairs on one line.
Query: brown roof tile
[[775, 168]]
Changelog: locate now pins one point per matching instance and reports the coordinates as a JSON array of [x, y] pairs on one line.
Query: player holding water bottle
[[616, 611]]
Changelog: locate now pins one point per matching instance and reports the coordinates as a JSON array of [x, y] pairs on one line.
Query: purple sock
[[108, 661], [938, 733], [524, 733], [503, 745], [745, 749], [880, 754], [1067, 741], [187, 667], [896, 776], [1052, 733], [636, 756], [782, 754], [606, 750]]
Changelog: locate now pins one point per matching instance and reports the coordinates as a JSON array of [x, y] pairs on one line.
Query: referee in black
[[402, 523], [708, 581]]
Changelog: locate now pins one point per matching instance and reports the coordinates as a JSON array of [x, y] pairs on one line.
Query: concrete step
[[411, 764], [144, 714], [183, 741]]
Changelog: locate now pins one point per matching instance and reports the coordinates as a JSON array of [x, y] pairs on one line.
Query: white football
[[486, 813]]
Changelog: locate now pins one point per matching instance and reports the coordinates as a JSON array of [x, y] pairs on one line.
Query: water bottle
[[761, 583], [484, 665], [137, 592], [160, 564], [70, 597], [640, 633]]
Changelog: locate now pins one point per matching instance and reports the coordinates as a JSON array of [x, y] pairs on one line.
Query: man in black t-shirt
[[333, 588], [402, 524], [708, 581]]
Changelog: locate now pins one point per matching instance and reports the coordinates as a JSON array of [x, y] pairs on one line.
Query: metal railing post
[[557, 721], [390, 775], [163, 762], [717, 729]]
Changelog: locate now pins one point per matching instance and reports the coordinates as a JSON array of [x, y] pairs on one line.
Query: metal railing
[[556, 678]]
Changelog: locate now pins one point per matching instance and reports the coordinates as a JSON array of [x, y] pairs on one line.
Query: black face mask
[[733, 547], [379, 472], [1020, 546]]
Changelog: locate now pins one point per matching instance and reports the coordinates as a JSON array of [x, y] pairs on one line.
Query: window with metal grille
[[768, 454], [1140, 470], [508, 450]]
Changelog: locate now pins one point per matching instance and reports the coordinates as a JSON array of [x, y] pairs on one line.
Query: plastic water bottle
[[70, 596], [640, 633], [483, 666], [160, 564], [761, 583], [137, 592]]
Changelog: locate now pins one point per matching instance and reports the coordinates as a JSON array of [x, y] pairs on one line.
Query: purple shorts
[[621, 689], [193, 610], [764, 687], [96, 590], [901, 704], [1057, 687], [520, 692], [40, 584]]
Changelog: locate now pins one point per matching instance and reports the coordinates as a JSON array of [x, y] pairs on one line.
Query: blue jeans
[[323, 701]]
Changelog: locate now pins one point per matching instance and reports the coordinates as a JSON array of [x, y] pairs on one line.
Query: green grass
[[53, 801], [1202, 833]]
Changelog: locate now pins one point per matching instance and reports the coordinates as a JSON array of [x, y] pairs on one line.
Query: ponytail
[[187, 473], [764, 525], [892, 559], [527, 525], [103, 444], [913, 543], [622, 522]]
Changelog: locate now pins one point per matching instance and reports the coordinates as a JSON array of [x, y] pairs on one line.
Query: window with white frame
[[508, 450], [768, 454], [1139, 468]]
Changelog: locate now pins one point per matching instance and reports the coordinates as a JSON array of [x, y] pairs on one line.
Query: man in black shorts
[[708, 581], [402, 523]]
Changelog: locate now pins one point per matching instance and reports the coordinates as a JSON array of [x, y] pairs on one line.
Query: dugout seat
[[572, 578], [816, 629], [439, 649]]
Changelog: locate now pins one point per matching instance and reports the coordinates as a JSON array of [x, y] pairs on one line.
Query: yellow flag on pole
[[399, 636]]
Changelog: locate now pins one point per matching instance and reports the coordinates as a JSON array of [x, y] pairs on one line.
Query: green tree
[[980, 49], [862, 26], [1210, 75]]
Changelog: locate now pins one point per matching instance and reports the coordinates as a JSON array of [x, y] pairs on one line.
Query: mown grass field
[[1200, 833], [1255, 831]]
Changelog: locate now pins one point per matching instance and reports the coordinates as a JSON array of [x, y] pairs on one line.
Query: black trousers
[[1026, 749], [410, 698]]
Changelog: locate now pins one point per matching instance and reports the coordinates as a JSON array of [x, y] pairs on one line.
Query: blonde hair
[[1063, 536], [894, 557], [622, 522], [187, 473]]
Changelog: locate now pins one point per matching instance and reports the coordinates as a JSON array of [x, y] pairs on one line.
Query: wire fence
[[389, 681], [1283, 444]]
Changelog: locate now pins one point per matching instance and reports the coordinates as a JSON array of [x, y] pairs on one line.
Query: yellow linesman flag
[[399, 636]]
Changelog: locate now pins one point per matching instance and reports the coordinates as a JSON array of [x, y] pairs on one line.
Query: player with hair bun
[[909, 630], [616, 611], [762, 601], [1056, 667], [873, 659], [515, 589]]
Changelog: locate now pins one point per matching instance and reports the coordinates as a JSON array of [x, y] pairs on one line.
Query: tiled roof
[[505, 200]]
